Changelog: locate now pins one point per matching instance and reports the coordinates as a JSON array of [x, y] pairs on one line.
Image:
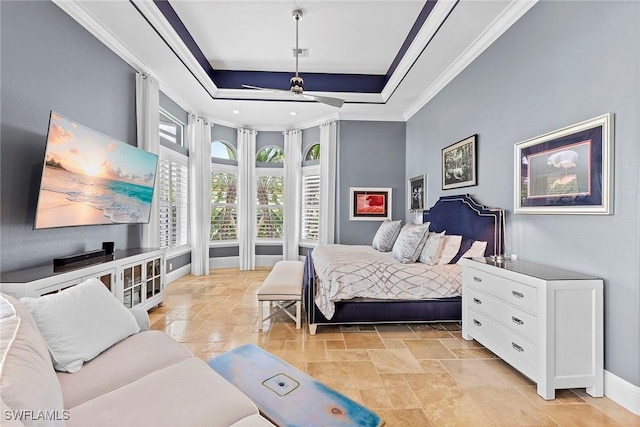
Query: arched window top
[[270, 154], [223, 150], [313, 152]]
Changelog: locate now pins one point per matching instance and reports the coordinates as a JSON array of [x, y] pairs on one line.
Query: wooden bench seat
[[282, 288]]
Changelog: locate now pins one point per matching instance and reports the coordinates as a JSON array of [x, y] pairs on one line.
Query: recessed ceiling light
[[236, 112], [293, 113]]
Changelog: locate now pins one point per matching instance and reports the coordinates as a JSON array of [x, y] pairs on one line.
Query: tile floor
[[411, 375]]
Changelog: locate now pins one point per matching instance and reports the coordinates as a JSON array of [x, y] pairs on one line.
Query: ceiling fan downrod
[[296, 82]]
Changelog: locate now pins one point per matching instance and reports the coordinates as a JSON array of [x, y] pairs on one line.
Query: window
[[224, 203], [270, 154], [313, 153], [310, 217], [171, 130], [173, 199], [222, 150], [270, 203]]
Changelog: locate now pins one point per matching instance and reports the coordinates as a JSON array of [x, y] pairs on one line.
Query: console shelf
[[135, 276]]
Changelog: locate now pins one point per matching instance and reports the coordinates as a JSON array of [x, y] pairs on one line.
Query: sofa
[[144, 379]]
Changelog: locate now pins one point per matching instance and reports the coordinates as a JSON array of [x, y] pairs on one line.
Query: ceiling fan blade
[[267, 89], [334, 102]]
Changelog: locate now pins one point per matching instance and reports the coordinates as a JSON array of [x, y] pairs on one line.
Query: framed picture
[[416, 192], [459, 164], [370, 204], [568, 171]]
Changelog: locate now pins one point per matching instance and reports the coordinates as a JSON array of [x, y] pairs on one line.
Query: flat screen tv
[[89, 179]]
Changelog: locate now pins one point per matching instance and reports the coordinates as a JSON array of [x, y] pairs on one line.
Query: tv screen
[[90, 179]]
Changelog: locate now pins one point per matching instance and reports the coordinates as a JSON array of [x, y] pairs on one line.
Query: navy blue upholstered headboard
[[461, 215]]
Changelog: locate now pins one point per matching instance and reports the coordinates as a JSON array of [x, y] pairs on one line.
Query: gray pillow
[[410, 242], [386, 235]]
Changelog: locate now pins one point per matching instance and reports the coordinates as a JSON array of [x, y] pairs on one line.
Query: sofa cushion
[[27, 379], [80, 322], [255, 420], [127, 361], [188, 393]]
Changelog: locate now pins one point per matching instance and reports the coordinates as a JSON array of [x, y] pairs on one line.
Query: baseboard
[[267, 260], [177, 273], [622, 392], [224, 262]]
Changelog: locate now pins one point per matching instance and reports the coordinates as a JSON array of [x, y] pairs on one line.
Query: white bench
[[282, 288]]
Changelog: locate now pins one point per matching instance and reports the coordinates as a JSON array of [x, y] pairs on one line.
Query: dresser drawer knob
[[477, 322], [477, 301], [517, 321], [517, 347], [477, 279], [517, 294]]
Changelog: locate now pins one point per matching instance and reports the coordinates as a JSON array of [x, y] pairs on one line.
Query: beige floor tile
[[344, 375], [562, 396], [397, 361], [428, 349], [487, 373], [611, 408], [346, 355], [375, 398], [365, 340], [395, 332], [578, 416], [507, 407], [403, 417], [399, 392]]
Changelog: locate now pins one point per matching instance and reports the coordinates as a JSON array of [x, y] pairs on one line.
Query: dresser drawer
[[519, 348], [511, 317], [516, 293]]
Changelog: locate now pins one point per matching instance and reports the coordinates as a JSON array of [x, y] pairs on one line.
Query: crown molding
[[437, 16], [508, 17]]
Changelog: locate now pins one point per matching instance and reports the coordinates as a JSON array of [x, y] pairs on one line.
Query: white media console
[[135, 276]]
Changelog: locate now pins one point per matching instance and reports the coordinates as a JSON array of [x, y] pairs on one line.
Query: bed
[[458, 215]]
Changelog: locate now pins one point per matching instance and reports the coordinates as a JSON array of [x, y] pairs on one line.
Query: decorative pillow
[[476, 250], [80, 322], [410, 242], [27, 379], [450, 249], [432, 248], [386, 235]]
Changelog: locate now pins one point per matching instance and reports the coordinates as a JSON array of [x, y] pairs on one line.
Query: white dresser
[[545, 322]]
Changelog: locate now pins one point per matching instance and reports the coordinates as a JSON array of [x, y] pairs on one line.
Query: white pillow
[[410, 242], [432, 248], [476, 250], [450, 249], [386, 235], [80, 322]]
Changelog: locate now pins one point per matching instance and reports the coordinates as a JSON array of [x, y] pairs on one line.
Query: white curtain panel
[[292, 190], [148, 123], [328, 150], [199, 134], [247, 198]]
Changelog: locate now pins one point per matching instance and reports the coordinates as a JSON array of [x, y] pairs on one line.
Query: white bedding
[[346, 271]]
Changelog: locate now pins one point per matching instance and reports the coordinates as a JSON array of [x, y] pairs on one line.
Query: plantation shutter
[[173, 200], [310, 207]]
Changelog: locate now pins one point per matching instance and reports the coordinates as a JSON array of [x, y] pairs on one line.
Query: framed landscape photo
[[416, 192], [370, 204], [568, 171], [459, 164]]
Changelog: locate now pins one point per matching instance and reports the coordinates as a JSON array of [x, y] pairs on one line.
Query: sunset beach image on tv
[[89, 179]]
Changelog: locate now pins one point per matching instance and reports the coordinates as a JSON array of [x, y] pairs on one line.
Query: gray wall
[[370, 154], [49, 62], [562, 63]]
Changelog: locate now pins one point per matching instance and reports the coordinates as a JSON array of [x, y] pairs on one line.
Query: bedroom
[[545, 73]]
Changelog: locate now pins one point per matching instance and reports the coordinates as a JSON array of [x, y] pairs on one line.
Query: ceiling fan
[[297, 83]]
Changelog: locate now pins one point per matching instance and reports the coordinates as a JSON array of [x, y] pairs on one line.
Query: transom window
[[270, 154], [223, 150], [171, 130], [313, 153]]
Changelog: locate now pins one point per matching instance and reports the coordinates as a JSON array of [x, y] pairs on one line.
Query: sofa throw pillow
[[80, 322], [386, 235], [450, 249], [27, 379], [410, 242], [433, 246]]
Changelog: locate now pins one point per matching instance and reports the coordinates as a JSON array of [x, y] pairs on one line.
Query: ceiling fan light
[[297, 84]]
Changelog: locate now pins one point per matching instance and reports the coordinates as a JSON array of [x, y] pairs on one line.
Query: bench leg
[[298, 314], [313, 327], [260, 315]]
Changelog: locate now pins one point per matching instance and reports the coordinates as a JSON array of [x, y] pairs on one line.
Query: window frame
[[180, 140], [268, 171], [223, 168]]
